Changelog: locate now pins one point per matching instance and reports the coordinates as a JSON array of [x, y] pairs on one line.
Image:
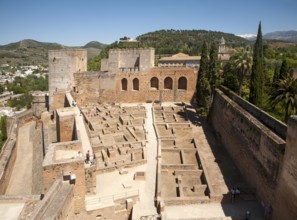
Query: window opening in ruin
[[154, 83], [168, 83], [182, 83], [136, 84], [124, 84], [54, 59]]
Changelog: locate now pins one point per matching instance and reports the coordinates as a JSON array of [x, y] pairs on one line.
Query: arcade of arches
[[154, 83]]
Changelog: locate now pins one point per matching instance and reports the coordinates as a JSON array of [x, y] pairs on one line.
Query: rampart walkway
[[21, 178]]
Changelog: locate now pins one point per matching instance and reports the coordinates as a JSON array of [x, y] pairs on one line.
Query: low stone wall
[[186, 200], [56, 171], [44, 206], [255, 149], [25, 116], [123, 165], [7, 160], [272, 123]]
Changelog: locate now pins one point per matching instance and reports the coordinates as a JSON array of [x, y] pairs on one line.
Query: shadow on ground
[[232, 177]]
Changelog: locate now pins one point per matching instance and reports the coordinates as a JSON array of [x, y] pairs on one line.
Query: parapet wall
[[275, 125], [285, 205], [256, 150], [9, 152]]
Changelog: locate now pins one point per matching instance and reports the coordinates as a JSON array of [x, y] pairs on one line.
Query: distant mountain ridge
[[282, 35], [95, 44], [32, 52], [290, 36]]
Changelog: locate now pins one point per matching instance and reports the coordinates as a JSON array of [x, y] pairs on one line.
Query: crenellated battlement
[[134, 59]]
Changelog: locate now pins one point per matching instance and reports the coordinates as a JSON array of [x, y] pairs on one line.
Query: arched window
[[168, 83], [135, 84], [124, 84], [182, 83], [154, 83]]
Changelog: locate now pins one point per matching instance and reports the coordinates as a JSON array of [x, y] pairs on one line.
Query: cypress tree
[[213, 65], [203, 89], [204, 94], [257, 76], [204, 61], [203, 68], [3, 128], [284, 70], [275, 75]]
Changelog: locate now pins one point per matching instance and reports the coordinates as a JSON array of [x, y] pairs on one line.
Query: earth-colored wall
[[108, 87], [256, 150], [285, 204], [62, 65], [138, 59], [9, 151], [65, 124], [55, 171]]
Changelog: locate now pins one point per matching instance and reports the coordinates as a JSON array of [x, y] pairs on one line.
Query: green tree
[[3, 130], [285, 95], [230, 77], [204, 97], [214, 69], [243, 64], [275, 75], [257, 76], [203, 88], [284, 70], [204, 61]]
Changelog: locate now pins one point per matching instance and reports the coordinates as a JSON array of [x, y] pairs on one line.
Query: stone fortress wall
[[62, 65], [255, 142], [129, 60], [263, 156], [160, 84], [128, 75]]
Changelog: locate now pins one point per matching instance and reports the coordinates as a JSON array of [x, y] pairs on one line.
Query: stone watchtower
[[129, 60], [62, 65]]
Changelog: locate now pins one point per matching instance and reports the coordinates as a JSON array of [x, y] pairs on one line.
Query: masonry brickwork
[[139, 87], [39, 102], [62, 65], [55, 171], [137, 59], [128, 75], [66, 124], [258, 152], [285, 205]]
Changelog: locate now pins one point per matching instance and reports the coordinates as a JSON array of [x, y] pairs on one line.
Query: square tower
[[62, 65]]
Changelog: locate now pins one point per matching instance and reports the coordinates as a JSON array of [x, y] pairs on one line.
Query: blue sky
[[75, 23]]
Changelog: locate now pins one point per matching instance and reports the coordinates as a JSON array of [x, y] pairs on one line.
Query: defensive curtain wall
[[127, 76], [161, 84], [261, 149]]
